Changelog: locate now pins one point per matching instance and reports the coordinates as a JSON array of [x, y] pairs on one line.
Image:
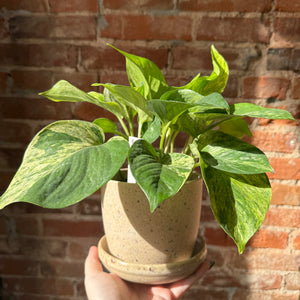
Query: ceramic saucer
[[152, 273]]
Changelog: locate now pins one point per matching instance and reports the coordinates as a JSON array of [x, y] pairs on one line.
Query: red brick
[[27, 225], [50, 286], [79, 249], [90, 112], [39, 55], [108, 58], [11, 158], [286, 30], [232, 88], [269, 239], [296, 88], [114, 77], [221, 279], [16, 266], [264, 281], [190, 58], [279, 58], [273, 141], [53, 227], [285, 168], [216, 254], [99, 58], [34, 108], [296, 242], [253, 281], [37, 248], [157, 28], [284, 217], [90, 207], [31, 80], [3, 226], [216, 236], [292, 281], [295, 60], [5, 178], [82, 81], [4, 32], [262, 259], [225, 5], [50, 27], [178, 79], [283, 194], [110, 26], [133, 27], [32, 5], [151, 4], [80, 289], [232, 29], [73, 6], [288, 6], [58, 268], [3, 79], [15, 132], [255, 295], [265, 87], [28, 296], [267, 122], [207, 215]]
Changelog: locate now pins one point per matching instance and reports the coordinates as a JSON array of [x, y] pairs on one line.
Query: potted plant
[[69, 160]]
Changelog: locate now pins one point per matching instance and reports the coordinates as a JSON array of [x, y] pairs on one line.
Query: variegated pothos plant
[[69, 160]]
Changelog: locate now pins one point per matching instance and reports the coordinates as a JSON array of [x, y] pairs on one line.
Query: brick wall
[[41, 41]]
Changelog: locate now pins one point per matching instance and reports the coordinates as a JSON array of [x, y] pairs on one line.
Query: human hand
[[104, 286]]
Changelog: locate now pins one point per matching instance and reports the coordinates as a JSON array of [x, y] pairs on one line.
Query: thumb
[[92, 264]]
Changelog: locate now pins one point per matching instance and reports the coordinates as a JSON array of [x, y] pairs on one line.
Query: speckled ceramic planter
[[135, 235]]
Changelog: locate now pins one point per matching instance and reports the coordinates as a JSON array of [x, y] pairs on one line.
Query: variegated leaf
[[65, 162]]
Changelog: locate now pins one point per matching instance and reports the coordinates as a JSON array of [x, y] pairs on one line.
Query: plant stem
[[187, 142], [121, 134], [173, 141], [196, 165], [124, 126], [163, 135], [131, 128], [168, 140]]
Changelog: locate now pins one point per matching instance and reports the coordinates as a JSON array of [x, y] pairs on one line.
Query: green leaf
[[239, 202], [168, 110], [63, 91], [256, 111], [182, 95], [106, 125], [214, 100], [152, 130], [159, 177], [143, 72], [109, 104], [237, 127], [217, 80], [65, 162], [227, 153], [129, 97], [197, 123]]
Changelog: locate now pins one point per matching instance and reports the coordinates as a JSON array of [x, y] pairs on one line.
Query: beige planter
[[135, 235]]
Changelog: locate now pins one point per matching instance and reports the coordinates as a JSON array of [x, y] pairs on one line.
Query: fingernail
[[212, 263]]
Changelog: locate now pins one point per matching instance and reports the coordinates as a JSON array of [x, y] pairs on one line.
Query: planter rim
[[153, 273]]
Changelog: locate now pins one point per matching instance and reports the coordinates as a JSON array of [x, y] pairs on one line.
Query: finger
[[92, 264], [178, 288]]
